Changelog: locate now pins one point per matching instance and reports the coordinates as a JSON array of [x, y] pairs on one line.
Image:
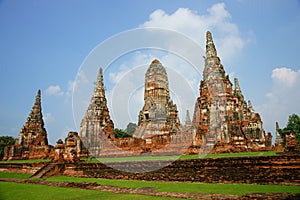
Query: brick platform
[[282, 169]]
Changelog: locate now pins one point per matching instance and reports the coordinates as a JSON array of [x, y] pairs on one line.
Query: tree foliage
[[5, 141], [293, 124], [130, 128], [119, 133]]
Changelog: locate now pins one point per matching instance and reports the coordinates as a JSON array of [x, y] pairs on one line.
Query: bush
[[119, 133], [5, 141]]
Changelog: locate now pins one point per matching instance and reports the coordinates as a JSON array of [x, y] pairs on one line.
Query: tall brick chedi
[[159, 114], [221, 114], [96, 124], [32, 142], [33, 132]]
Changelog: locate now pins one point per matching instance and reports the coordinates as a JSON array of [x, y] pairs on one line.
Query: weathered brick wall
[[23, 168], [283, 169]]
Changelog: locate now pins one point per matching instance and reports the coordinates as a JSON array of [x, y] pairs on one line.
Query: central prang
[[159, 114]]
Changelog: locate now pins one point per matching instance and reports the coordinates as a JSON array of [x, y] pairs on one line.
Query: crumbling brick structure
[[32, 142], [222, 117], [71, 151]]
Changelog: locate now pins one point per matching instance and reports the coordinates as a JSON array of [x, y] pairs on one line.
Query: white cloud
[[54, 90], [283, 100], [285, 76], [218, 20], [71, 85]]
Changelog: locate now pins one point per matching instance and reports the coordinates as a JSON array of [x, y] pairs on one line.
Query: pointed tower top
[[250, 106], [277, 126], [38, 98], [156, 66], [278, 140], [212, 66], [188, 119], [36, 111], [237, 89], [210, 46], [236, 85], [155, 61], [99, 88]]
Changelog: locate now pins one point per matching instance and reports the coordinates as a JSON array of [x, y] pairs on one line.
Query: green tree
[[130, 128], [119, 133], [293, 125], [5, 141]]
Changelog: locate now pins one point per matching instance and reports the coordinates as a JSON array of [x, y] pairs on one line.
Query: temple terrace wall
[[280, 169], [22, 168]]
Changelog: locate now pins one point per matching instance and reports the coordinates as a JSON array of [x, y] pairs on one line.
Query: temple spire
[[237, 85], [210, 46], [99, 88], [38, 99], [188, 122], [34, 125], [36, 111], [250, 106], [277, 126], [97, 119], [212, 66], [278, 137], [237, 88], [278, 141]]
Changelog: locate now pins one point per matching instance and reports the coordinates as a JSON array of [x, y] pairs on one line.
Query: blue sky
[[44, 43]]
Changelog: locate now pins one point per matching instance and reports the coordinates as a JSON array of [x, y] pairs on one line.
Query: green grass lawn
[[204, 188], [12, 191], [14, 175], [16, 190]]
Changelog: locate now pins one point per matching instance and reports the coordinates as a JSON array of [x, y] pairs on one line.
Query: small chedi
[[279, 141], [223, 121], [71, 151], [32, 142]]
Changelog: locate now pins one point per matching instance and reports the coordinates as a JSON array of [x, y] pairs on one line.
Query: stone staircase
[[48, 170]]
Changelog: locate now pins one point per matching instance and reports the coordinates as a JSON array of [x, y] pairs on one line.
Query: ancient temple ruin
[[71, 151], [159, 115], [223, 120], [278, 146], [32, 142], [96, 124], [188, 122]]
